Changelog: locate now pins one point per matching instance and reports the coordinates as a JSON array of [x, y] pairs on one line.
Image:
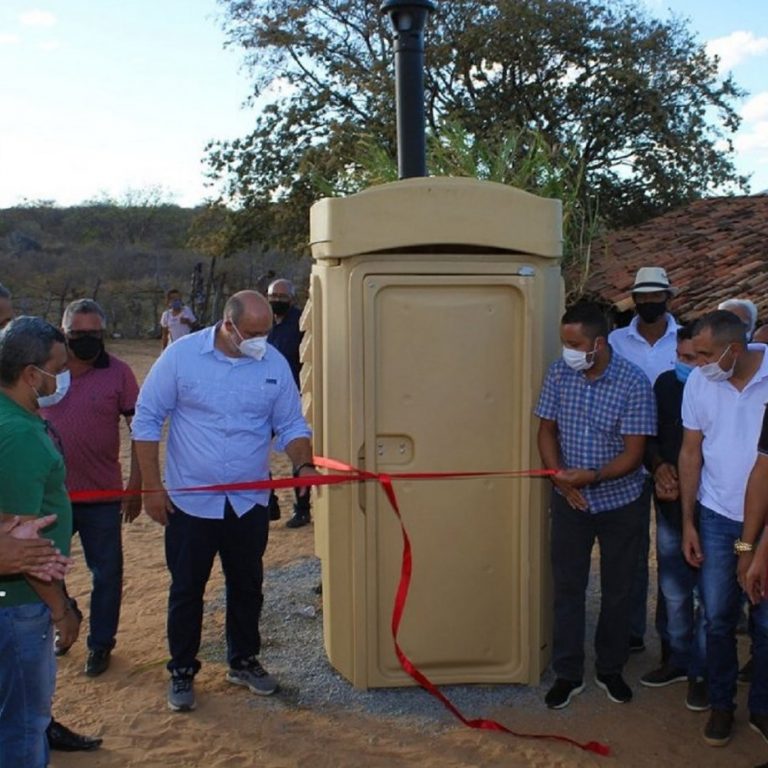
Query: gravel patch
[[293, 650]]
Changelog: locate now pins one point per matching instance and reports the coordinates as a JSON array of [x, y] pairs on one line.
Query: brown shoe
[[717, 732]]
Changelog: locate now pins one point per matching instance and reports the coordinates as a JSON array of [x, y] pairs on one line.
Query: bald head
[[246, 304], [281, 289], [247, 315]]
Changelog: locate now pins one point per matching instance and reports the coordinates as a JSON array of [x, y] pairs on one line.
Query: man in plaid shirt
[[596, 409]]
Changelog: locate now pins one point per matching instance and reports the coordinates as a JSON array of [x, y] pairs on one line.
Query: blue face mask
[[682, 371]]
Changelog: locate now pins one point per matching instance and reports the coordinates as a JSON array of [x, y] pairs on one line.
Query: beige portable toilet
[[434, 311]]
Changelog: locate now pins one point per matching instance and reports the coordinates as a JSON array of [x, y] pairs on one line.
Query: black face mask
[[86, 347], [651, 311], [280, 308]]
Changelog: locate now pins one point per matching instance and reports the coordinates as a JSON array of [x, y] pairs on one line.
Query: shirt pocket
[[605, 422], [106, 404], [199, 395], [257, 400]]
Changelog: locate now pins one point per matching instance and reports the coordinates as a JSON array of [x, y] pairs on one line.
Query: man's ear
[[601, 342]]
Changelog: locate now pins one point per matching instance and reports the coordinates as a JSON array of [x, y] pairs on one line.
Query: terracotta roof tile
[[712, 249]]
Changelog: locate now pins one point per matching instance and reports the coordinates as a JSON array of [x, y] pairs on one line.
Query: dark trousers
[[639, 610], [100, 529], [191, 544], [574, 532], [302, 504]]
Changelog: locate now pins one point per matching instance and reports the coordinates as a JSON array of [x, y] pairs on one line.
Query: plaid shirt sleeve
[[548, 406], [639, 416]]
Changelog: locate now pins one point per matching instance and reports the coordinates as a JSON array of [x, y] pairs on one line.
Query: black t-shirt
[[665, 445], [762, 443]]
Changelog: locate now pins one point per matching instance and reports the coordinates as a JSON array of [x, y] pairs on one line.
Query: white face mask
[[576, 359], [714, 372], [255, 348], [62, 387]]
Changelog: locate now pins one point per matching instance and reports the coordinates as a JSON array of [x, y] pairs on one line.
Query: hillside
[[126, 257]]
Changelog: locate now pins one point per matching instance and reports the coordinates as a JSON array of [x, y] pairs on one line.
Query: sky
[[99, 98]]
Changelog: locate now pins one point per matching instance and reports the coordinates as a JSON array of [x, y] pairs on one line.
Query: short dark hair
[[589, 315], [723, 325], [685, 332], [170, 293], [26, 341]]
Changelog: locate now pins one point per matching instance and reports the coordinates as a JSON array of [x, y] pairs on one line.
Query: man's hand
[[67, 627], [576, 478], [666, 484], [754, 579], [158, 506], [23, 551], [692, 546], [308, 471], [131, 506], [573, 496], [743, 561]]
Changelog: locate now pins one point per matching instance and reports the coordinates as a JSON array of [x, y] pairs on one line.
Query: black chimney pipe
[[409, 17]]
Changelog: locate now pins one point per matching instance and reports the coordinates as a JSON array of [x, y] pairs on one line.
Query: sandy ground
[[126, 705]]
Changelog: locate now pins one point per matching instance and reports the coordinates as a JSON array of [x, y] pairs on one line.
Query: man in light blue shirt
[[226, 392]]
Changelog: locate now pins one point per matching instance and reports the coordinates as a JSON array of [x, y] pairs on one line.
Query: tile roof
[[712, 249]]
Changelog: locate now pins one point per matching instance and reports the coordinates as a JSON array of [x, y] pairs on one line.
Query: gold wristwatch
[[740, 547]]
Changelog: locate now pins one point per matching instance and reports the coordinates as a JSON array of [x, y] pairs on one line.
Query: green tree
[[635, 100]]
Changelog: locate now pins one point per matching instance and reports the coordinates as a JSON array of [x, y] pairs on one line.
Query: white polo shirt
[[730, 422], [652, 359]]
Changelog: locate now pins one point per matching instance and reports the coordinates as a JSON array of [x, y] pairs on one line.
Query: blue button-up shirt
[[223, 412], [593, 416]]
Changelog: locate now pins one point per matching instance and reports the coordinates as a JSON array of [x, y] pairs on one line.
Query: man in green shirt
[[33, 372]]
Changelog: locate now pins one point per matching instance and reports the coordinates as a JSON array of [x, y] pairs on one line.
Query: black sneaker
[[618, 691], [717, 732], [745, 673], [254, 677], [64, 739], [560, 694], [664, 675], [97, 662], [636, 645], [181, 691], [697, 699], [274, 507], [298, 520], [759, 724]]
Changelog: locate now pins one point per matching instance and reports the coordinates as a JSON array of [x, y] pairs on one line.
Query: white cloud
[[37, 18], [6, 38], [735, 48], [753, 139], [755, 109], [49, 45]]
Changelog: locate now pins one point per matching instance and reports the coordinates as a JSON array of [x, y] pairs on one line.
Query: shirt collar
[[672, 327], [209, 339], [208, 347]]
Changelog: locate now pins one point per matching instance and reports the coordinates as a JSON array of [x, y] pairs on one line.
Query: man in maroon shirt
[[87, 423]]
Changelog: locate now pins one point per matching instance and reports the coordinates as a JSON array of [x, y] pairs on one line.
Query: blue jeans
[[27, 681], [100, 529], [721, 594], [683, 630]]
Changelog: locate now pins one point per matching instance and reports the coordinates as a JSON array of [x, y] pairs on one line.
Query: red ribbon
[[345, 473]]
